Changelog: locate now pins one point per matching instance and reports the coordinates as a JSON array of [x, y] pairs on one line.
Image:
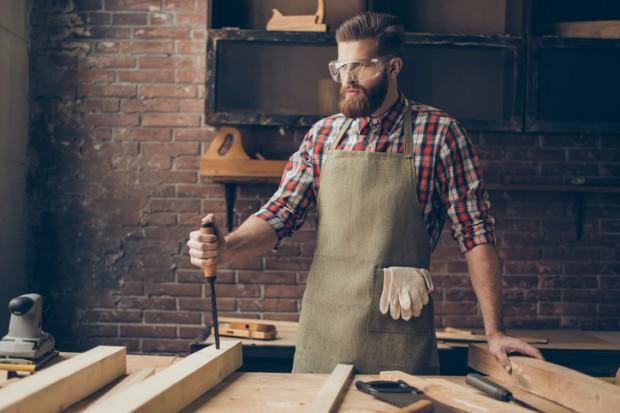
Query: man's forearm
[[483, 266], [254, 237]]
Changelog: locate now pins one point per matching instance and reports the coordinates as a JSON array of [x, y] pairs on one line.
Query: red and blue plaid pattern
[[448, 172]]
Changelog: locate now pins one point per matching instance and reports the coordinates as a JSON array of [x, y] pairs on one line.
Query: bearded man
[[383, 174]]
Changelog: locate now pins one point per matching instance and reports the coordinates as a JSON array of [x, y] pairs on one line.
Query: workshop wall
[[13, 143], [117, 129]]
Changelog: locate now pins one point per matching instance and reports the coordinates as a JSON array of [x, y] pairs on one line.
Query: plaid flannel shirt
[[449, 176]]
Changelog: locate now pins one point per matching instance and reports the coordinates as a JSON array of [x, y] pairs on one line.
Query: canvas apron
[[369, 219]]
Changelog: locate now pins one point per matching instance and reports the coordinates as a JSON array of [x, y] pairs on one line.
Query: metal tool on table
[[209, 272], [26, 347], [494, 390], [397, 393]]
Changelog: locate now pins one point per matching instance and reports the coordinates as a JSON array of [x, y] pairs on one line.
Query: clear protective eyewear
[[357, 69]]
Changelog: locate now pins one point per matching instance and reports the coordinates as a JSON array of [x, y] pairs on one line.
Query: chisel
[[494, 390], [209, 273]]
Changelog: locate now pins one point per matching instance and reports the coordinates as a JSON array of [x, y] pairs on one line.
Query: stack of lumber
[[60, 386]]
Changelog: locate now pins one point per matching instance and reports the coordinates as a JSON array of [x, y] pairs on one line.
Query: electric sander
[[26, 347]]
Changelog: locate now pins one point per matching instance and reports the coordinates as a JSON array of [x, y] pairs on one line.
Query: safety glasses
[[357, 69]]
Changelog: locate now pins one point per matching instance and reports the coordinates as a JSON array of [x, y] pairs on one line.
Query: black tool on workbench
[[494, 390], [209, 272], [397, 393]]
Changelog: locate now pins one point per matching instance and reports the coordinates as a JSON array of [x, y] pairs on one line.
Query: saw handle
[[207, 228]]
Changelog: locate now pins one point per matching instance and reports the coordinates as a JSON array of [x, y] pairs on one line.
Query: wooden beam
[[59, 386], [562, 385], [173, 388], [328, 398], [130, 380], [480, 338], [454, 395]]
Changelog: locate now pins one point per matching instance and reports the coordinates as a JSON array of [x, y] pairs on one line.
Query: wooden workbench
[[592, 352], [275, 392]]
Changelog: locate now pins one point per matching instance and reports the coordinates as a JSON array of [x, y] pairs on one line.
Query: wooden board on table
[[329, 397], [562, 385], [178, 385], [280, 325], [454, 395], [59, 386], [465, 336]]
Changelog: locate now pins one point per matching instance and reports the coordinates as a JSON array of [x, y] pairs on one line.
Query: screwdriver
[[209, 272], [494, 390]]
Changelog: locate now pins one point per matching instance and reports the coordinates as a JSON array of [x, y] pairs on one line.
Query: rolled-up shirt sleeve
[[286, 210], [463, 193]]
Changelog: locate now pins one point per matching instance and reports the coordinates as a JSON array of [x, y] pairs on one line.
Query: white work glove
[[405, 291]]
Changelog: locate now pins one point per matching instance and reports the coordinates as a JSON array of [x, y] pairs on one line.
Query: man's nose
[[347, 77]]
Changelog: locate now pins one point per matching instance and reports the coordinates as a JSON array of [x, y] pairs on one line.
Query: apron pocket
[[384, 323]]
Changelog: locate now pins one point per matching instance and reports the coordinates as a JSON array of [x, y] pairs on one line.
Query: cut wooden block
[[562, 385], [173, 388], [454, 395], [328, 398], [247, 330], [291, 326], [59, 386]]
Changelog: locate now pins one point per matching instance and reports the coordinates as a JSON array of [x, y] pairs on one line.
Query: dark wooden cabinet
[[494, 64]]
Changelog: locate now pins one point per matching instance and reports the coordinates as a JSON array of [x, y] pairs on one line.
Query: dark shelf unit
[[479, 79], [507, 46], [573, 85]]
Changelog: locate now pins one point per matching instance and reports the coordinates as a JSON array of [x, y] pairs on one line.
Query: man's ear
[[395, 65]]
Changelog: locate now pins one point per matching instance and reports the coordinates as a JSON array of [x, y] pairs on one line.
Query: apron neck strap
[[407, 130], [343, 129]]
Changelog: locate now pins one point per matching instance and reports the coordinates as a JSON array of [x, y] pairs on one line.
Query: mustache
[[344, 90]]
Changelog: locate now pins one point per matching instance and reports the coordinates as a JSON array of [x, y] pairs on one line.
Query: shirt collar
[[387, 120]]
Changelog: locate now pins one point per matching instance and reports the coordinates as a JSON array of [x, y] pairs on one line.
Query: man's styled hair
[[385, 28]]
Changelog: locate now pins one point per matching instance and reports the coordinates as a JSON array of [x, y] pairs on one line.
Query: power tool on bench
[[26, 347]]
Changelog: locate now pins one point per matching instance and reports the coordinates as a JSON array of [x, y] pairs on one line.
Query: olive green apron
[[369, 218]]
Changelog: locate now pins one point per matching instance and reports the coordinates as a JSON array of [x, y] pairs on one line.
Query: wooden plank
[[132, 379], [178, 385], [329, 397], [454, 395], [57, 387], [478, 338], [562, 385], [280, 325]]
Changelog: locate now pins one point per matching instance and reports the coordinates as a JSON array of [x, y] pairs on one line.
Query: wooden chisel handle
[[421, 406], [208, 229]]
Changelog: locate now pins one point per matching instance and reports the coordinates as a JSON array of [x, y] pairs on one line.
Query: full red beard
[[366, 102]]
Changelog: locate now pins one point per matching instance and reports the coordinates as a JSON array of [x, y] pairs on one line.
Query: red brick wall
[[117, 131]]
